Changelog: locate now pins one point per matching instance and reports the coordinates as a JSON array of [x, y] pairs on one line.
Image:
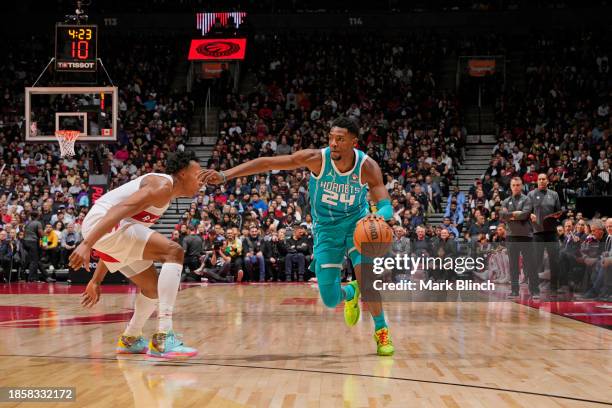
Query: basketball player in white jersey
[[117, 228]]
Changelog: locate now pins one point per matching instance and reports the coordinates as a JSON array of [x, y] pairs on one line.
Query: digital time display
[[76, 47]]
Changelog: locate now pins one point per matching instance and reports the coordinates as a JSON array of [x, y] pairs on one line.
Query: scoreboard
[[76, 48]]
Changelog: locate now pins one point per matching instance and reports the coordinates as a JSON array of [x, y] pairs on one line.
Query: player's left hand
[[374, 217], [80, 257], [91, 296], [210, 177]]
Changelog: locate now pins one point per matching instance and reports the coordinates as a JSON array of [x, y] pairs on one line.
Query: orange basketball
[[375, 235]]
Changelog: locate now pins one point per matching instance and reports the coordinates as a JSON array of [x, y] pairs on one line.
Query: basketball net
[[67, 139]]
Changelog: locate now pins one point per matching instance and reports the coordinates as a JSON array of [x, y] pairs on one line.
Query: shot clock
[[76, 48]]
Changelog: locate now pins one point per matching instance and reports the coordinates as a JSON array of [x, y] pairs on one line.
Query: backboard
[[90, 110]]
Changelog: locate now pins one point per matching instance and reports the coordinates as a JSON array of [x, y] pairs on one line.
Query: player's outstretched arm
[[154, 191], [309, 158], [372, 176]]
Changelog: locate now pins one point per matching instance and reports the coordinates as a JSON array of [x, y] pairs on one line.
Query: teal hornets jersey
[[338, 197]]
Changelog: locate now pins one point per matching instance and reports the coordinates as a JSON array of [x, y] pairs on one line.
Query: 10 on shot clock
[[76, 47]]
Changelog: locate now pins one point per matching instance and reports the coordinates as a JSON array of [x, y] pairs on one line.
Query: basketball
[[376, 234]]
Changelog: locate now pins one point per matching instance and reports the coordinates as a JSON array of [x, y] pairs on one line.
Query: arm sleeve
[[53, 242], [384, 209], [460, 217], [505, 214]]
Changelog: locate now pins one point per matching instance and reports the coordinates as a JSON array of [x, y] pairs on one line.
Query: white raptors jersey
[[147, 217]]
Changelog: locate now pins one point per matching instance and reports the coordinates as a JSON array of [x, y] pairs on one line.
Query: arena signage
[[481, 67], [96, 191], [217, 49]]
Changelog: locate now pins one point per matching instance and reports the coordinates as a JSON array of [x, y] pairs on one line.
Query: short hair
[[516, 178], [179, 161], [349, 124], [597, 223]]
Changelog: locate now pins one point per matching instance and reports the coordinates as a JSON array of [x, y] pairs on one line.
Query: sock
[[143, 309], [349, 292], [379, 321], [167, 289]]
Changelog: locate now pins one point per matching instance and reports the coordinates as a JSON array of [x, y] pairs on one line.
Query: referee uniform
[[518, 240], [546, 202]]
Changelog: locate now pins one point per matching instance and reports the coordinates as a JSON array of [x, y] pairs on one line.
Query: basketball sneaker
[[384, 345], [169, 345], [351, 307], [131, 345]]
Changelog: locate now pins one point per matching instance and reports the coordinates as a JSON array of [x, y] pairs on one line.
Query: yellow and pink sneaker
[[132, 345], [168, 345]]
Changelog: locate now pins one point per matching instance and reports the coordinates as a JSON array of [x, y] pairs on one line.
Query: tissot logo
[[218, 49], [75, 65]]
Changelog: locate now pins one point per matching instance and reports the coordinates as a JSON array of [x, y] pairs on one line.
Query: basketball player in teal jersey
[[340, 179]]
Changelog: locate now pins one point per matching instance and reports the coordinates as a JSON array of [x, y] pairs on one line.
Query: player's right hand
[[80, 257], [91, 296], [210, 177]]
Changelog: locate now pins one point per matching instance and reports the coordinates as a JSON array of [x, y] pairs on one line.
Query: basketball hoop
[[66, 139]]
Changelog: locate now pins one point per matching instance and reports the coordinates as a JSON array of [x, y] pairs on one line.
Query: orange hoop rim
[[69, 135]]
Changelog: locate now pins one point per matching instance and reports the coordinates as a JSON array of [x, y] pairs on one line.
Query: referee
[[516, 211], [546, 212]]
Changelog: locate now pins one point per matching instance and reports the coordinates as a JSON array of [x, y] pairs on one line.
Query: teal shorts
[[330, 247]]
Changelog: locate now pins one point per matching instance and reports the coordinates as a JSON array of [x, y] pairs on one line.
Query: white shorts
[[123, 247]]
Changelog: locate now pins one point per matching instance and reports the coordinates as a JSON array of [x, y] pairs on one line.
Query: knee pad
[[331, 294]]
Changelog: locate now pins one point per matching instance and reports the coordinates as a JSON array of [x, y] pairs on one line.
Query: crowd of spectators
[[560, 123], [259, 228], [558, 126], [303, 82], [153, 120]]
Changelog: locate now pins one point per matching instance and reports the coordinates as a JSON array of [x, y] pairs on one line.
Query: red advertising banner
[[217, 49], [213, 69], [481, 67]]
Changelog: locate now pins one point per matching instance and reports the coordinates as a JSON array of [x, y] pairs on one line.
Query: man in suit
[[569, 253], [6, 255], [606, 263], [601, 261]]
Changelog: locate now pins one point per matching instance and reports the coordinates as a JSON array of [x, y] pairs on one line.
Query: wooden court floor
[[276, 345]]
